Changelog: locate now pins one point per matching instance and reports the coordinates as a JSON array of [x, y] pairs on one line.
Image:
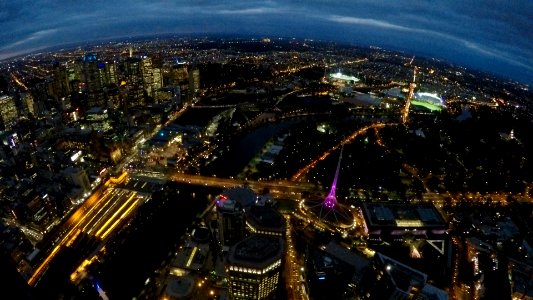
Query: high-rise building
[[36, 206], [230, 214], [78, 177], [152, 80], [194, 84], [92, 80], [158, 79], [96, 78], [98, 119], [73, 71], [60, 85], [148, 75], [178, 75], [8, 112], [254, 267], [28, 105], [230, 221], [133, 82], [396, 281]]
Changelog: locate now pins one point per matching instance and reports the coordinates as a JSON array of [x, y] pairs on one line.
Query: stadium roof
[[341, 76]]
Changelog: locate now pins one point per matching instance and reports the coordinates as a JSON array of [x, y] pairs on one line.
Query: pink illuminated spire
[[331, 198]]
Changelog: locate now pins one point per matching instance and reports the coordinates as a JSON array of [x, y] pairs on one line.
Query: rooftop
[[351, 258], [256, 251], [179, 287], [265, 217], [243, 196], [401, 215], [403, 276]]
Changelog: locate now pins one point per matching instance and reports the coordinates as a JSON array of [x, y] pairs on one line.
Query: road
[[279, 187], [33, 235], [345, 141], [294, 267]]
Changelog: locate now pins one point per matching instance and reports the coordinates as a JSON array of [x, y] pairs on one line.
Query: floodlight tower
[[331, 199]]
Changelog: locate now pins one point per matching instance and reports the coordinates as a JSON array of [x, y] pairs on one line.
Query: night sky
[[489, 35]]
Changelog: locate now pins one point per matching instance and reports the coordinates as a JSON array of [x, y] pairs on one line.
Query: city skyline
[[208, 161], [490, 37]]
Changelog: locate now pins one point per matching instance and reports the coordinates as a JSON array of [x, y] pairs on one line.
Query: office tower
[[254, 267], [133, 82], [158, 79], [73, 72], [8, 112], [148, 75], [177, 76], [110, 73], [194, 84], [38, 207], [28, 105], [97, 76], [60, 85], [78, 177], [230, 222], [397, 281], [230, 207], [98, 119], [152, 80], [92, 80]]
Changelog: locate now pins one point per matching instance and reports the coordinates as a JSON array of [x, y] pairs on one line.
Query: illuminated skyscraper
[[230, 221], [8, 112], [92, 80], [60, 85], [148, 75], [230, 210], [194, 84], [254, 267], [96, 78], [152, 80], [133, 82], [28, 105], [158, 79], [176, 75]]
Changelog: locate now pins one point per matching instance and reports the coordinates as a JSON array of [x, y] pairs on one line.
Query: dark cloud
[[492, 35]]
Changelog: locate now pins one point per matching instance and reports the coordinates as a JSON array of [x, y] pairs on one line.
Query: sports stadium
[[430, 101]]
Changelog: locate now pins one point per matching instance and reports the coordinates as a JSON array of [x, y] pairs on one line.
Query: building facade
[[254, 267]]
